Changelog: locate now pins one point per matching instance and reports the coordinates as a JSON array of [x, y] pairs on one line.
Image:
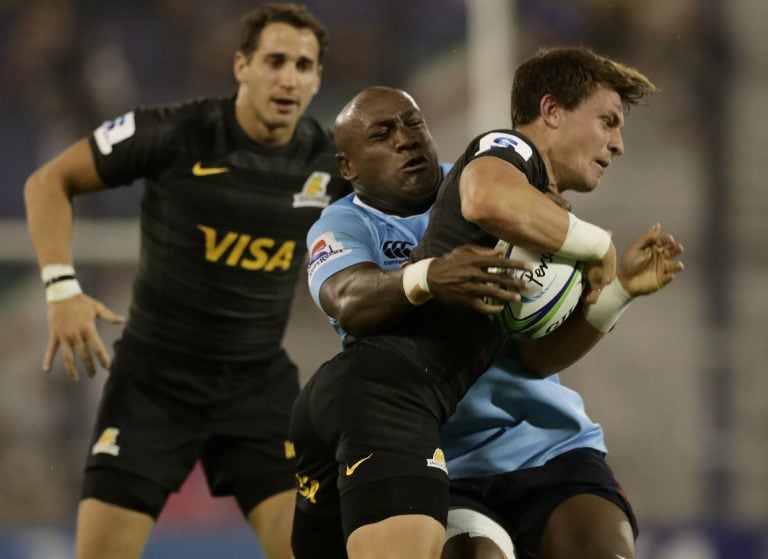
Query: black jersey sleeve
[[513, 147], [138, 144]]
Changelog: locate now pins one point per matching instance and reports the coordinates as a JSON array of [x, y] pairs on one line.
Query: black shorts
[[162, 411], [522, 501], [366, 431]]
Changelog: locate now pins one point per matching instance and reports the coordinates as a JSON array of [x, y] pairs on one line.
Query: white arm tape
[[612, 303], [62, 290], [60, 282], [584, 241], [53, 271], [415, 283]]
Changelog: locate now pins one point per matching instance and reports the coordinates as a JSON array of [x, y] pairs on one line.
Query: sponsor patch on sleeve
[[508, 141], [324, 249], [114, 131]]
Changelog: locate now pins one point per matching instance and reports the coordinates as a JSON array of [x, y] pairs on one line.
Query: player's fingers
[[486, 307], [593, 294], [513, 264], [83, 352], [50, 352], [69, 361], [505, 295], [108, 314], [101, 351], [504, 280]]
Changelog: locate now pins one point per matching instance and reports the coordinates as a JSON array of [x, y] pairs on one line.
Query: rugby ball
[[551, 293]]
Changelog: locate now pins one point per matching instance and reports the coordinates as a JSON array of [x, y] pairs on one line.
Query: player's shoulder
[[188, 116], [310, 132], [505, 139], [343, 207], [512, 146]]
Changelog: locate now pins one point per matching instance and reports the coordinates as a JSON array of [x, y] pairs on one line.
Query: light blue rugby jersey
[[506, 421]]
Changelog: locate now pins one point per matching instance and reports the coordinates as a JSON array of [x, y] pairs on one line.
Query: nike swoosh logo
[[351, 469], [199, 171]]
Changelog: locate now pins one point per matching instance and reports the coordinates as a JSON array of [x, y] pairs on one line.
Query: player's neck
[[261, 132]]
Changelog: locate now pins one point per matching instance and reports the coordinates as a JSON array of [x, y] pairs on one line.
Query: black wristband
[[57, 279]]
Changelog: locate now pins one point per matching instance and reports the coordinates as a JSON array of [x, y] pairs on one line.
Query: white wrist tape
[[584, 241], [415, 283], [60, 282], [612, 303], [53, 271]]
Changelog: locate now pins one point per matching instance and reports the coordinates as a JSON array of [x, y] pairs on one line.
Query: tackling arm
[[363, 298]]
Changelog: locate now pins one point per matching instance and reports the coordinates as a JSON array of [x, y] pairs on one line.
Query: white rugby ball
[[552, 291]]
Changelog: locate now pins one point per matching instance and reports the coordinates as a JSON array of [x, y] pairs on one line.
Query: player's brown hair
[[295, 15], [570, 75]]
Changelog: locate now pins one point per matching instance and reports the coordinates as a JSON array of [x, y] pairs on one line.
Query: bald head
[[387, 152], [356, 114]]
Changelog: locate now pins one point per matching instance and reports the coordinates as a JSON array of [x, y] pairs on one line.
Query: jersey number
[[259, 256]]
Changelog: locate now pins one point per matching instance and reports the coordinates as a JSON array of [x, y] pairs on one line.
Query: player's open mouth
[[284, 104], [603, 163], [416, 163]]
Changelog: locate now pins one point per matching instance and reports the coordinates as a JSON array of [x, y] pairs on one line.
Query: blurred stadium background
[[680, 386]]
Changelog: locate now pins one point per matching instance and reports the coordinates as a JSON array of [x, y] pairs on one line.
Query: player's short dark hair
[[254, 22], [570, 75]]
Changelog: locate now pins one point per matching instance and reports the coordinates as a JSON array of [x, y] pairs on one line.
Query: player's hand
[[598, 274], [461, 277], [72, 327], [650, 262]]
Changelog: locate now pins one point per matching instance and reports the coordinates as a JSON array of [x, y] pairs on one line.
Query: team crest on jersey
[[313, 194], [114, 131], [437, 460], [322, 250], [107, 443], [508, 141]]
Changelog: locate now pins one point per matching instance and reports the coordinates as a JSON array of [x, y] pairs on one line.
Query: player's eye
[[305, 65]]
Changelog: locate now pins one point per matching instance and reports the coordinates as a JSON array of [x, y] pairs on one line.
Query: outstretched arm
[[648, 265], [48, 195], [364, 298]]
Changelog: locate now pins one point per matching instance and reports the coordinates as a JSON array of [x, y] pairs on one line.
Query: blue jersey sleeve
[[341, 238]]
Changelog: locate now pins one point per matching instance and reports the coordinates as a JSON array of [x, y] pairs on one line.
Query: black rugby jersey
[[223, 224], [447, 228], [457, 344]]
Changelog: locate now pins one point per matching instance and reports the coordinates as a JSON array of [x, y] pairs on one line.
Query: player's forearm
[[365, 301], [561, 348], [497, 197], [49, 217]]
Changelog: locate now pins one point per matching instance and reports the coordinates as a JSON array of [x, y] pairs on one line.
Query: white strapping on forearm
[[62, 290], [584, 241], [612, 303], [415, 283], [52, 271]]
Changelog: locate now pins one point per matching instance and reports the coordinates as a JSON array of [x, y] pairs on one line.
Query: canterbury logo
[[199, 171], [351, 469], [240, 249], [397, 249]]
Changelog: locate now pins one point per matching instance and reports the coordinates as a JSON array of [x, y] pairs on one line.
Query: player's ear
[[550, 110], [239, 62], [319, 79], [346, 167]]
